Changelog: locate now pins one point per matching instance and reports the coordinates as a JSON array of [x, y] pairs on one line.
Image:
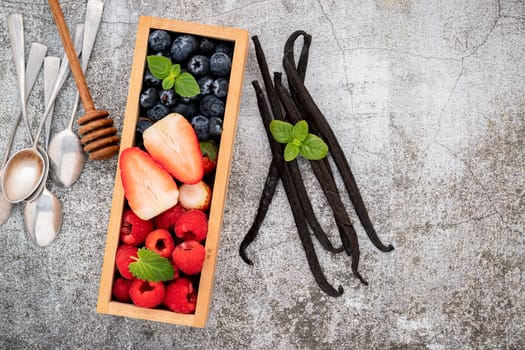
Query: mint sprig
[[171, 76], [151, 267], [298, 140]]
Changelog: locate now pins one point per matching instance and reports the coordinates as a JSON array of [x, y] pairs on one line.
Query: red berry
[[167, 219], [189, 257], [125, 252], [180, 296], [146, 294], [133, 229], [161, 242], [192, 225], [121, 289]]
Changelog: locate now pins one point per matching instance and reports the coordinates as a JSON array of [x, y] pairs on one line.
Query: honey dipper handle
[[76, 70]]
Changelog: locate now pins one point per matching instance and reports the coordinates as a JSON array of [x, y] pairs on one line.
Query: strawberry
[[193, 224], [146, 294], [209, 155], [173, 143], [120, 289], [125, 254], [168, 219], [197, 196], [180, 296], [133, 230], [189, 257], [161, 242], [148, 187]]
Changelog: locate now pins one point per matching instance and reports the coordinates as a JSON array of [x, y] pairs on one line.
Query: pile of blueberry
[[209, 61]]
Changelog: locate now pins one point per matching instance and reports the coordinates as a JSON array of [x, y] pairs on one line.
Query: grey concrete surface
[[427, 99]]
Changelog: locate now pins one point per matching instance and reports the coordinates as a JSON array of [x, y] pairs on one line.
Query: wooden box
[[240, 39]]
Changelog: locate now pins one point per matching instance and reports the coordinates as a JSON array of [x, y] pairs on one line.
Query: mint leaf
[[300, 130], [175, 70], [313, 148], [168, 82], [151, 267], [159, 66], [291, 151], [186, 85], [281, 131]]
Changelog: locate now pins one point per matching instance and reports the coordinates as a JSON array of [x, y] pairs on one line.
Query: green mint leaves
[[151, 267], [298, 140], [171, 76]]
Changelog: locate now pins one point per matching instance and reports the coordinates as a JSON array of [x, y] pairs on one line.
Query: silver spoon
[[65, 150], [25, 170], [34, 63], [43, 216]]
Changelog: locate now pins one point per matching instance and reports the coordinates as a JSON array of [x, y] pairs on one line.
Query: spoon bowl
[[43, 218], [42, 184], [66, 157], [22, 174]]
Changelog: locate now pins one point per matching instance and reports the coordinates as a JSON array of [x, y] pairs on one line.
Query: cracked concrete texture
[[426, 99]]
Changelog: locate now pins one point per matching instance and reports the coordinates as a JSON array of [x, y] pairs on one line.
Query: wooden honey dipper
[[98, 133]]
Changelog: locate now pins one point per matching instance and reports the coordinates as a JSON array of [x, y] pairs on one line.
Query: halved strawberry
[[209, 155], [197, 196], [148, 187], [173, 143]]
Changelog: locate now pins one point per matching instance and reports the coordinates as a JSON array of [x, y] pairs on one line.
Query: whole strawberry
[[209, 155], [133, 230], [180, 296], [189, 257]]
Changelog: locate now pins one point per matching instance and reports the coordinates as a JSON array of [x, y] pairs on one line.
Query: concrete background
[[427, 100]]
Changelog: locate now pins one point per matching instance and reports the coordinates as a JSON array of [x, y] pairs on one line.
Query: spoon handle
[[34, 63], [51, 67]]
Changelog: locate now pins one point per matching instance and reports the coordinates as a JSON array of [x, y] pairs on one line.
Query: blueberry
[[207, 46], [158, 111], [212, 106], [206, 84], [168, 97], [148, 98], [215, 127], [183, 47], [224, 48], [187, 110], [220, 87], [163, 53], [220, 64], [150, 80], [159, 40], [200, 125], [199, 65], [143, 124], [188, 99]]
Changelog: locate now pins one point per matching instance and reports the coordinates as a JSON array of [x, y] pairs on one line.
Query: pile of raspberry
[[178, 235]]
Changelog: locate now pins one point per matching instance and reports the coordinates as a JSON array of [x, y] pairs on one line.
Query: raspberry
[[180, 296], [161, 242], [176, 273], [167, 219], [189, 257], [125, 252], [133, 229], [121, 289], [192, 225], [146, 294]]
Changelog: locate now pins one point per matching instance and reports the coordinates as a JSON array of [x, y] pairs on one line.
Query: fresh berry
[[143, 124], [211, 106], [124, 257], [220, 87], [196, 196], [149, 97], [158, 111], [191, 99], [180, 296], [168, 97], [201, 126], [148, 187], [192, 225], [209, 156], [161, 242], [176, 273], [215, 127], [189, 257], [150, 80], [173, 143], [198, 65], [224, 48], [220, 64], [167, 219], [159, 40], [121, 288], [146, 294], [206, 84], [207, 46], [188, 110], [133, 230], [183, 47]]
